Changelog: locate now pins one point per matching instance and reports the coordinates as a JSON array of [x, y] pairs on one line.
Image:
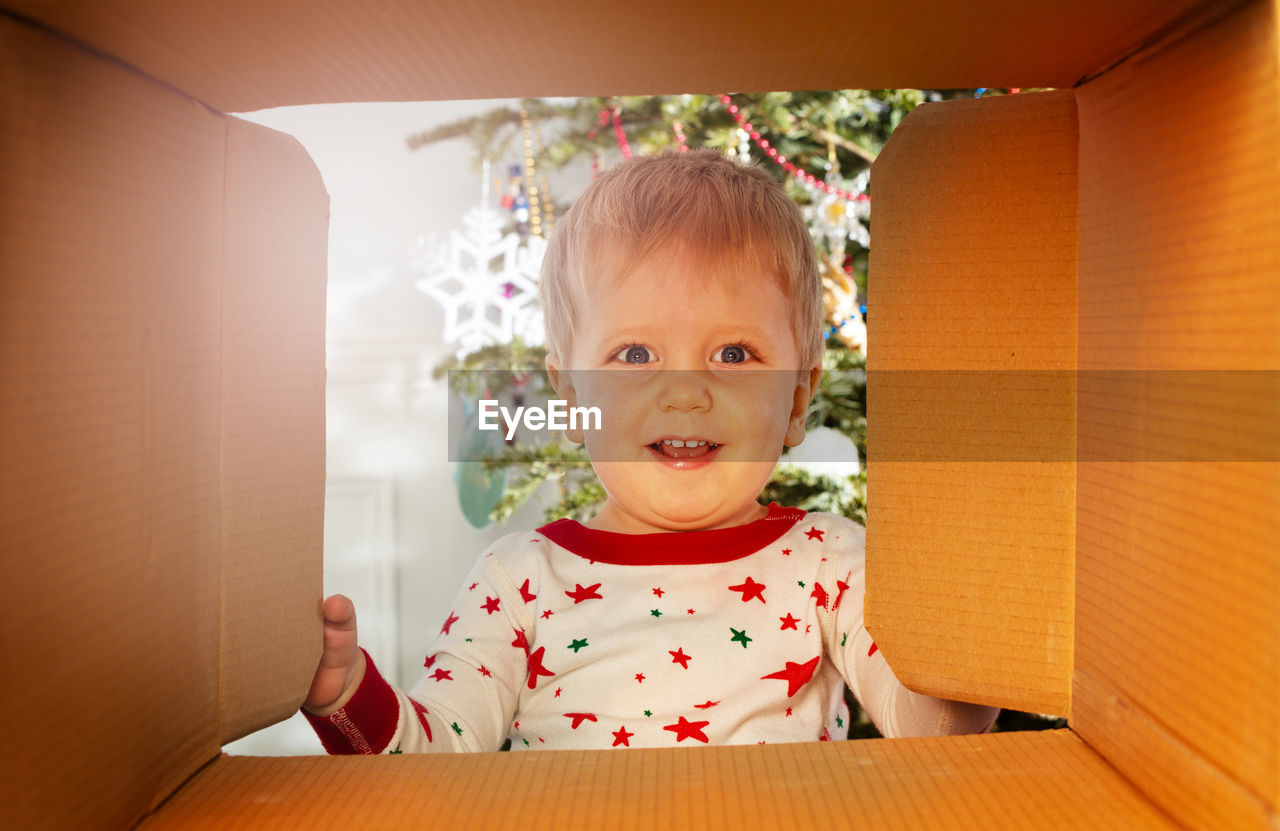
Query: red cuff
[[367, 722]]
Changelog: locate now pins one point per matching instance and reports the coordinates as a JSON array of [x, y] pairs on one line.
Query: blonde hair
[[719, 211]]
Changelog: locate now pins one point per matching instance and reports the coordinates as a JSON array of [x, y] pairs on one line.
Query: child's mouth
[[684, 448]]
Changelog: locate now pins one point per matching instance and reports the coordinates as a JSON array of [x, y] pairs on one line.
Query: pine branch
[[840, 141]]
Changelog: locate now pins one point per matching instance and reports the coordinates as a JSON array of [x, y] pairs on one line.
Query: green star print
[[577, 644], [740, 637]]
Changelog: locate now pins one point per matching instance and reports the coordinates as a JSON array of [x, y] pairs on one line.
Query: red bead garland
[[623, 144], [781, 160], [678, 129], [601, 120]]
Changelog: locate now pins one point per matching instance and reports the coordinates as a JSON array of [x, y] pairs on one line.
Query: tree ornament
[[840, 304], [479, 489], [487, 282]]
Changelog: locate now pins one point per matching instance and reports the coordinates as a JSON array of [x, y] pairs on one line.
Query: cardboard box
[[162, 412]]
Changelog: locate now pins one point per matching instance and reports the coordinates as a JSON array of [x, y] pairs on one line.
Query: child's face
[[670, 354]]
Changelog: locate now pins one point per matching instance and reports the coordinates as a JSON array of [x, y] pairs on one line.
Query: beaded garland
[[782, 161]]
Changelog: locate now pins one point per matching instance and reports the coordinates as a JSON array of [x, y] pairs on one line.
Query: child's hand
[[342, 665]]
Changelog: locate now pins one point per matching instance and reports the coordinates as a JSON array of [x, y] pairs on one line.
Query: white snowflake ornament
[[486, 282]]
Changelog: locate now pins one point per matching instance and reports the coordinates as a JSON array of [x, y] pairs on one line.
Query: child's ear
[[562, 383], [804, 391]]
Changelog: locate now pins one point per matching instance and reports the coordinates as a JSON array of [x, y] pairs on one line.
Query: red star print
[[796, 675], [442, 675], [659, 592], [490, 604], [639, 677], [422, 717], [807, 627], [814, 534], [788, 712], [820, 594], [449, 623], [520, 642], [621, 736], [431, 659], [788, 622], [548, 613], [691, 611], [580, 594], [749, 590], [472, 587], [578, 718], [872, 650], [557, 692], [826, 735], [786, 552], [485, 671], [536, 668], [708, 704], [685, 729], [678, 657], [841, 588], [527, 595]]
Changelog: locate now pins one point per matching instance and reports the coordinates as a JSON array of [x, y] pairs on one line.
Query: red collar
[[719, 545]]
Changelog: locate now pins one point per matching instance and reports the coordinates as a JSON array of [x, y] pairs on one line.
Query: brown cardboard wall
[[1045, 781], [1177, 675], [240, 55], [111, 221], [161, 408], [970, 394]]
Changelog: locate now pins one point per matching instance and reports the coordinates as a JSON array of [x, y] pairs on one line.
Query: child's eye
[[634, 354], [733, 354]]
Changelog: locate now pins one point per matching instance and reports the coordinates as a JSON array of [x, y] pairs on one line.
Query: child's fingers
[[341, 654], [339, 612], [339, 633]]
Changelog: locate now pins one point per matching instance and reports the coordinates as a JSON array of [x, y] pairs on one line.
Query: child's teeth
[[701, 443], [677, 443]]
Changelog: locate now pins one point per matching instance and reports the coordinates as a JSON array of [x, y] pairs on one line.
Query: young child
[[682, 297]]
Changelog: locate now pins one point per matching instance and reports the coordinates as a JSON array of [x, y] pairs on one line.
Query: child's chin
[[693, 514]]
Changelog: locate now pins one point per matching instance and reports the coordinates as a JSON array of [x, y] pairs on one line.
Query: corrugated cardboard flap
[[273, 437], [971, 401]]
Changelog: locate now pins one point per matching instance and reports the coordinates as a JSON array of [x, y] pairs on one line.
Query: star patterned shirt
[[570, 637]]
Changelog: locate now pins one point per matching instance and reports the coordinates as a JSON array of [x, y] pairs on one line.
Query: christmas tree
[[820, 146]]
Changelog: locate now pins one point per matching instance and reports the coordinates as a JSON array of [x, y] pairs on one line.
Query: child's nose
[[684, 391]]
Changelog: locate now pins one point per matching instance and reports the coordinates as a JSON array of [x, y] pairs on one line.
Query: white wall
[[395, 539]]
